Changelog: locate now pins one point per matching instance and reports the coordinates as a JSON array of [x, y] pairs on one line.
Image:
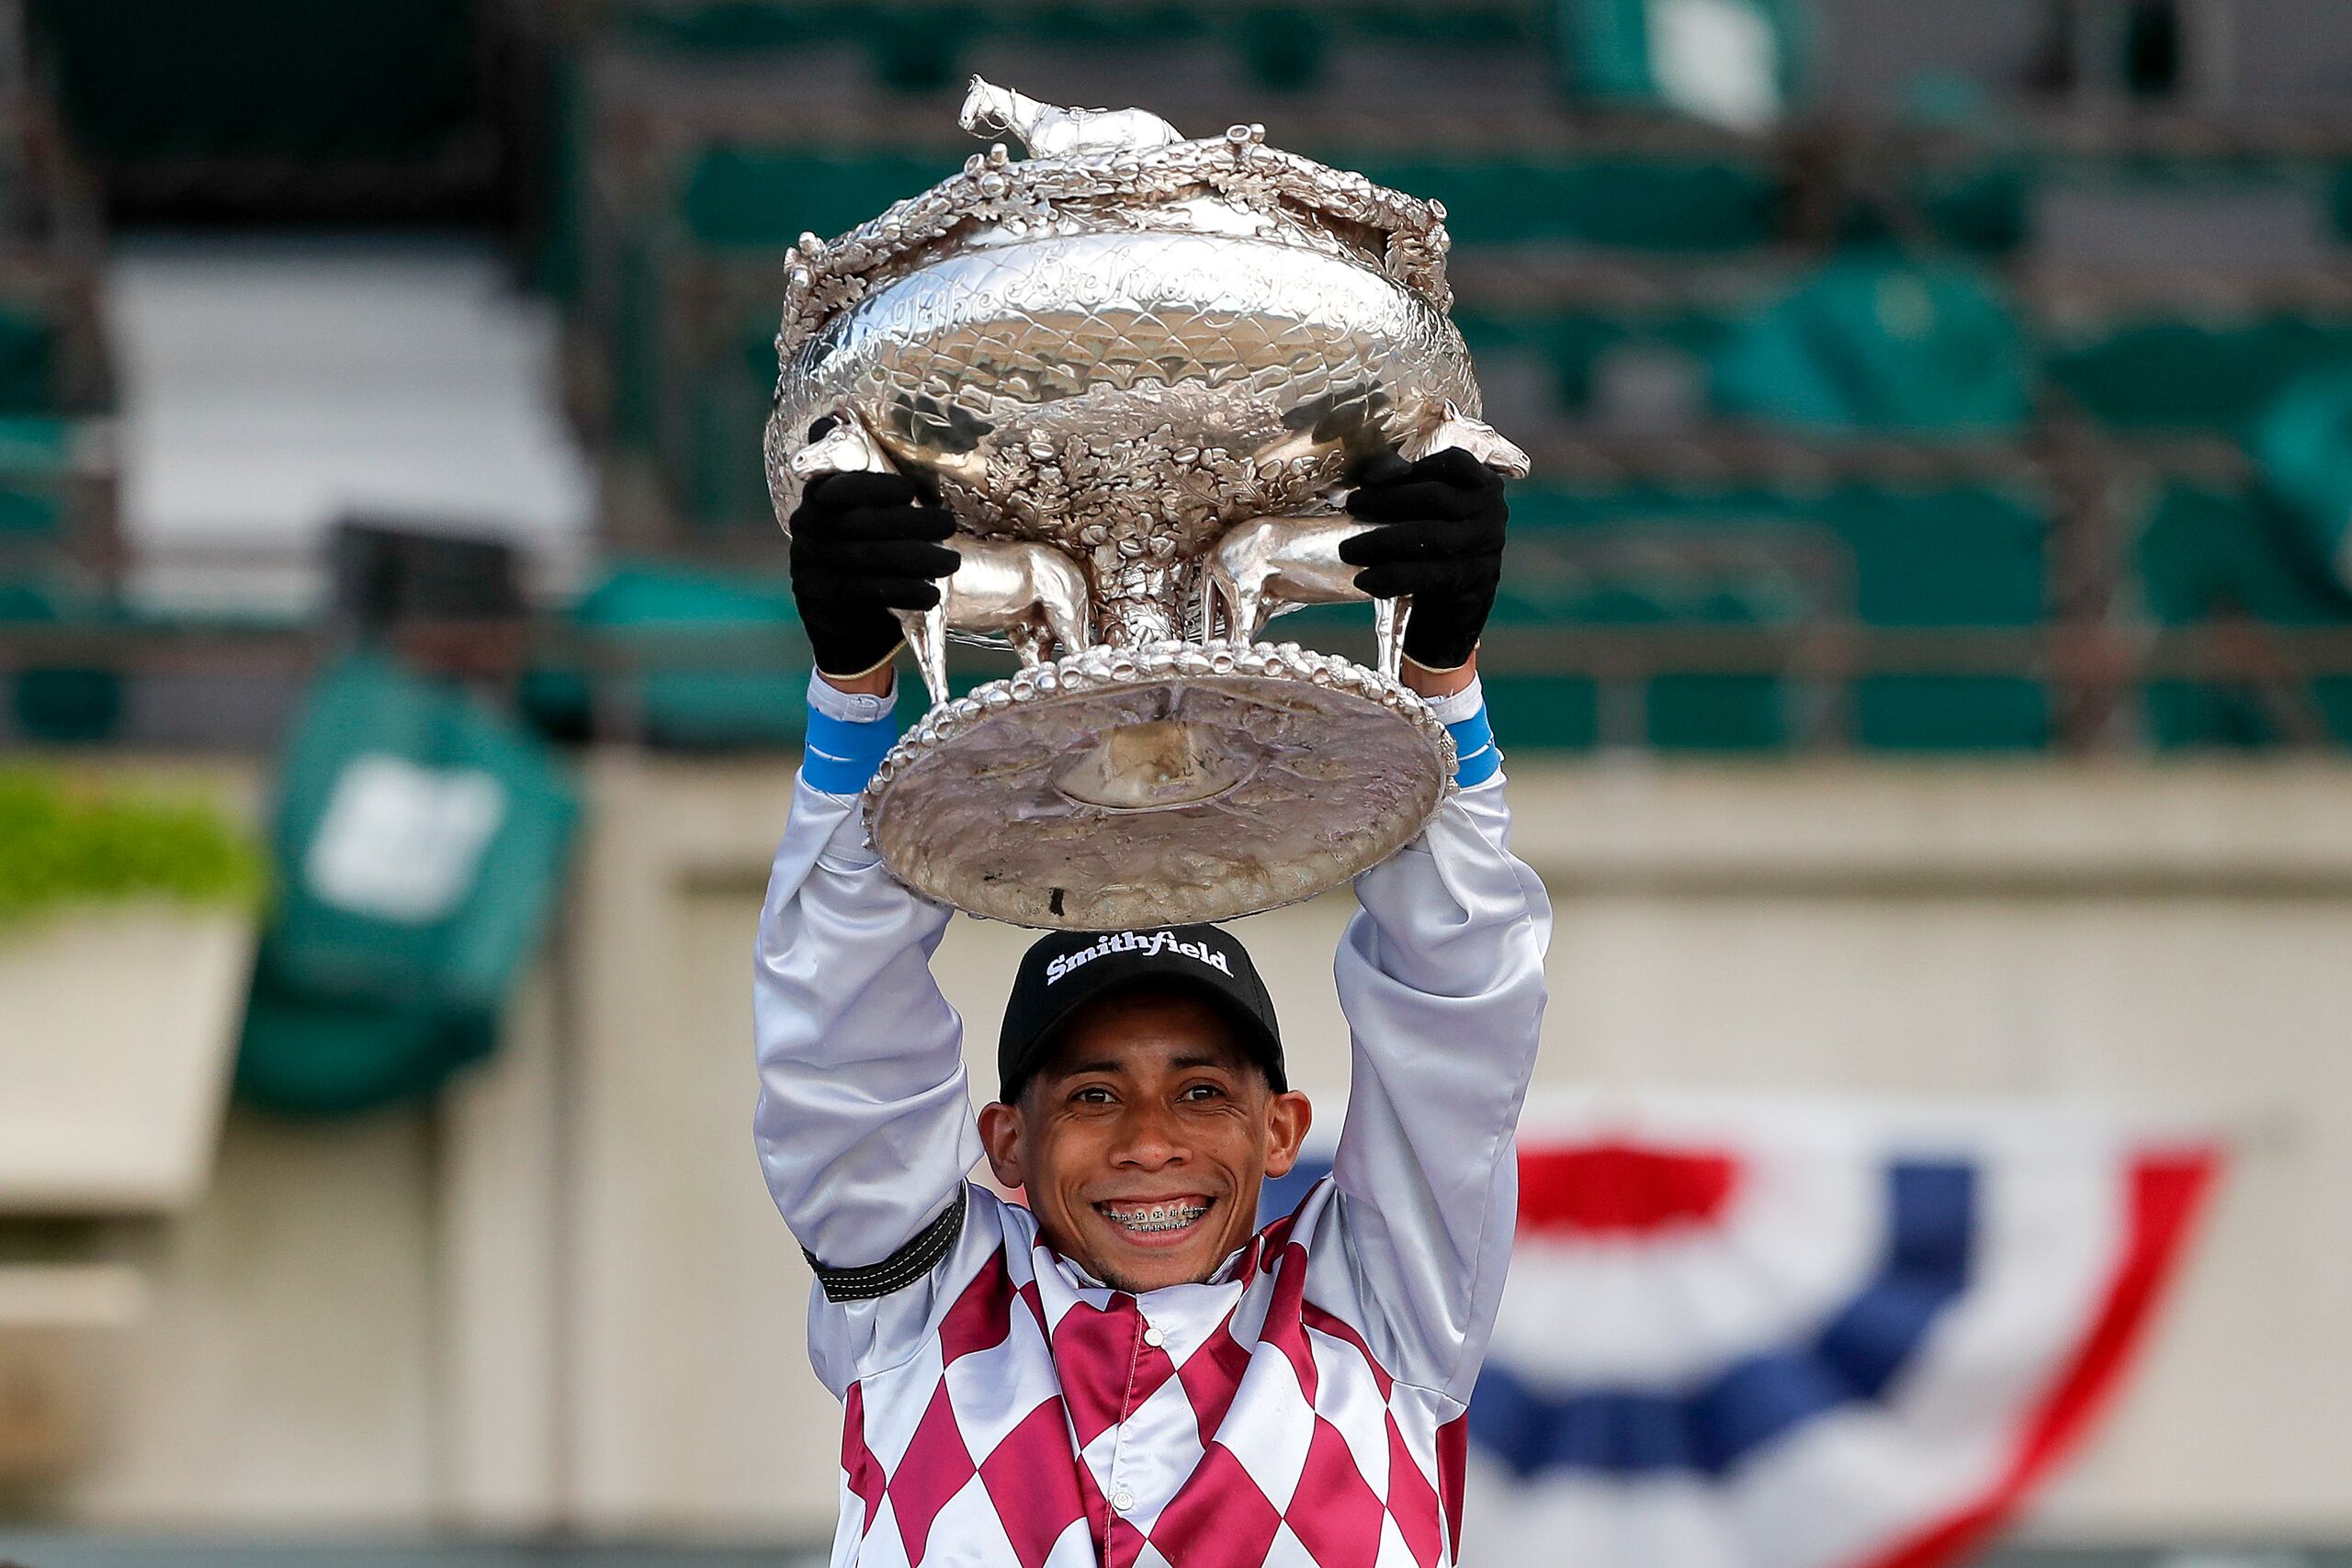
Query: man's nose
[[1149, 1138]]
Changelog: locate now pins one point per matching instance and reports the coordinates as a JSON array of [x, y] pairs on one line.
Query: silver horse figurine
[[1047, 129], [1295, 560], [1290, 561], [1451, 428], [1030, 594]]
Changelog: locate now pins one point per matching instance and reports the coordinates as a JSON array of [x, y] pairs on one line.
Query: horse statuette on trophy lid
[[1139, 369]]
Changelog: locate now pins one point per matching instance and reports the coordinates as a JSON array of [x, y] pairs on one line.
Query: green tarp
[[420, 839]]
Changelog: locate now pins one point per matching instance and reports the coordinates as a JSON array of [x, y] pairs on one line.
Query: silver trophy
[[1138, 370]]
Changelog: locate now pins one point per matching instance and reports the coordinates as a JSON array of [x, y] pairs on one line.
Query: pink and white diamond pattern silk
[[1050, 1423], [1302, 1404]]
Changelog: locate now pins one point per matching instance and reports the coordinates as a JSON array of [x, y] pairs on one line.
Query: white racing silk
[[1002, 1407]]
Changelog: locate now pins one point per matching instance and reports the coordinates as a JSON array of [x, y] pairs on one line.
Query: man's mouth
[[1155, 1218]]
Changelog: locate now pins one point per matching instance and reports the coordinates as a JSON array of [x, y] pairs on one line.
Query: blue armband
[[843, 753], [1475, 758]]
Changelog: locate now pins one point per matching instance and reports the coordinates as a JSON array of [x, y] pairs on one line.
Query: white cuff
[[850, 708], [1455, 706]]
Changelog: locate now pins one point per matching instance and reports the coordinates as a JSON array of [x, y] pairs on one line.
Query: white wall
[[563, 1296]]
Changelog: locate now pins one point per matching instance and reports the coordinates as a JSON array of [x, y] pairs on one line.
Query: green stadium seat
[[1574, 339], [1958, 555], [919, 46], [2302, 449], [28, 354], [1284, 48], [35, 443], [1873, 345], [717, 478], [2155, 374], [2338, 198], [1583, 574], [266, 79], [762, 199], [1532, 711], [64, 706], [729, 26], [35, 462], [1696, 710], [1543, 713], [29, 512], [2205, 552], [1982, 206], [724, 705], [633, 344], [1656, 202], [1950, 713], [560, 262], [730, 202]]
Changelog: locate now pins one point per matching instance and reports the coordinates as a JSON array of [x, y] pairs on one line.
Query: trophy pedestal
[[1160, 785]]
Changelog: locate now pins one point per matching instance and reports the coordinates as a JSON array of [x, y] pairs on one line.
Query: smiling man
[[1123, 1370], [1144, 1101]]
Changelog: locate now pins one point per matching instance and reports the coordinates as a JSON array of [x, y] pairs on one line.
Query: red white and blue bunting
[[1756, 1334]]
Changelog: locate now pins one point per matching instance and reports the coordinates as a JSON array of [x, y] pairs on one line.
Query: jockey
[[1123, 1369]]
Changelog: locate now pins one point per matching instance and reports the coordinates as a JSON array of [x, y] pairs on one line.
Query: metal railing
[[2096, 673]]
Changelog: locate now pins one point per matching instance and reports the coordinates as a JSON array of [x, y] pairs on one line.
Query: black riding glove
[[864, 545], [1441, 541]]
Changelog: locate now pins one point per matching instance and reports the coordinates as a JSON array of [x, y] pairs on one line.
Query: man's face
[[1143, 1141]]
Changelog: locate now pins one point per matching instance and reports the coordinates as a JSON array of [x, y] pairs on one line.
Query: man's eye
[[1203, 1091], [1097, 1095]]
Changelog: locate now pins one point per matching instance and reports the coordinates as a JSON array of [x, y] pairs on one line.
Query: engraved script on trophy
[[1139, 369]]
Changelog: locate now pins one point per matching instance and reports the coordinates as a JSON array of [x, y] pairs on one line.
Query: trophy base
[[1158, 786]]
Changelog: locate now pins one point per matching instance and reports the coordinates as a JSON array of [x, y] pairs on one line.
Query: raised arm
[[865, 1126], [1440, 971], [1441, 975]]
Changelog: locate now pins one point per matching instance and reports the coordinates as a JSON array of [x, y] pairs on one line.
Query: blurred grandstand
[[1895, 380], [1909, 409]]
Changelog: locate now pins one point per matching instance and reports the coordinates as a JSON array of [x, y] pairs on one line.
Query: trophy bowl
[[1139, 369]]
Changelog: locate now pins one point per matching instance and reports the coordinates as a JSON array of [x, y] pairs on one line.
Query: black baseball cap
[[1063, 972]]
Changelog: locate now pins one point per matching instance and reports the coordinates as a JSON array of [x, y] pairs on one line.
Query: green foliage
[[62, 845]]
